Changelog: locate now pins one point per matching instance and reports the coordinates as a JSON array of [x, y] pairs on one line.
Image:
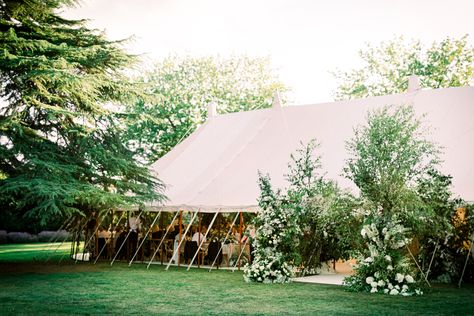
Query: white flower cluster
[[385, 269], [399, 286], [269, 265]]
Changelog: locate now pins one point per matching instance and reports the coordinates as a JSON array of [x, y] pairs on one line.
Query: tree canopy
[[183, 87], [386, 68], [61, 147]]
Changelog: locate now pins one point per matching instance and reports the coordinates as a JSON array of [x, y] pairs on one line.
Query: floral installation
[[275, 239], [384, 268]]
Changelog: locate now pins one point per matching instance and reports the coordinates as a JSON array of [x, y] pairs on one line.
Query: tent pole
[[92, 235], [56, 236], [64, 239], [112, 235], [432, 258], [240, 255], [419, 268], [181, 241], [180, 223], [202, 241], [240, 235], [225, 239], [199, 239], [143, 240], [465, 263], [74, 241], [126, 237], [162, 239]]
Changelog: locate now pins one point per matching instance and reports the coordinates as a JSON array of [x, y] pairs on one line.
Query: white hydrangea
[[399, 277], [369, 280], [394, 292], [409, 278]]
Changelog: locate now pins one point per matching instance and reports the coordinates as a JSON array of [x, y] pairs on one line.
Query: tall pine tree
[[61, 148]]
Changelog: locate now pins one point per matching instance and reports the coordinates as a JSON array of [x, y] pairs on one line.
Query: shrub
[[47, 236], [21, 237], [3, 237]]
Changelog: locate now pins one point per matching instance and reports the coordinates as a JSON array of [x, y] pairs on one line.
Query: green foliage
[[394, 167], [387, 157], [324, 211], [276, 237], [449, 63], [311, 222], [61, 149], [182, 88]]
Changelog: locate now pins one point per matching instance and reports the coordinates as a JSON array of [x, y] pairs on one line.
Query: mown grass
[[34, 287]]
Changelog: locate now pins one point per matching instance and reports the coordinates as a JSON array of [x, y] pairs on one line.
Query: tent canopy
[[216, 167]]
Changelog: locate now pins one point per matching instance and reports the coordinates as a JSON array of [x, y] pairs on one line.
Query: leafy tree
[[61, 148], [182, 88], [385, 70], [389, 160], [388, 156]]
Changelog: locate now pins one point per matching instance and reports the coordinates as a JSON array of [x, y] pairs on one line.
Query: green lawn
[[29, 286]]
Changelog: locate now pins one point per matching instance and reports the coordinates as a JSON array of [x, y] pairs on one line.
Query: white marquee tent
[[216, 168]]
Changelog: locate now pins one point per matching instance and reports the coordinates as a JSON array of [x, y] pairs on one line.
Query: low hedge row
[[22, 237]]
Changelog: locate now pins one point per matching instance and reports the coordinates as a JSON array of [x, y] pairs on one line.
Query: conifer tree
[[61, 147]]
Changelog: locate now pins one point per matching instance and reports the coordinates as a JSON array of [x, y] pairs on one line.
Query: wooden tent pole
[[225, 239], [199, 240], [162, 239], [240, 235], [180, 223]]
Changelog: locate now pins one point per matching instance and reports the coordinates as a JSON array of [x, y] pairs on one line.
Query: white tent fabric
[[216, 168]]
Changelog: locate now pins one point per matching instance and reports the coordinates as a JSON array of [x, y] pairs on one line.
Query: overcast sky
[[305, 39]]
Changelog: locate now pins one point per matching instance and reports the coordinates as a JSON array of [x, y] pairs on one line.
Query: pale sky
[[304, 39]]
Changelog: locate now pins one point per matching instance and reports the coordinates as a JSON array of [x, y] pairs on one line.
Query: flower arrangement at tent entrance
[[277, 230], [385, 268], [297, 229]]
